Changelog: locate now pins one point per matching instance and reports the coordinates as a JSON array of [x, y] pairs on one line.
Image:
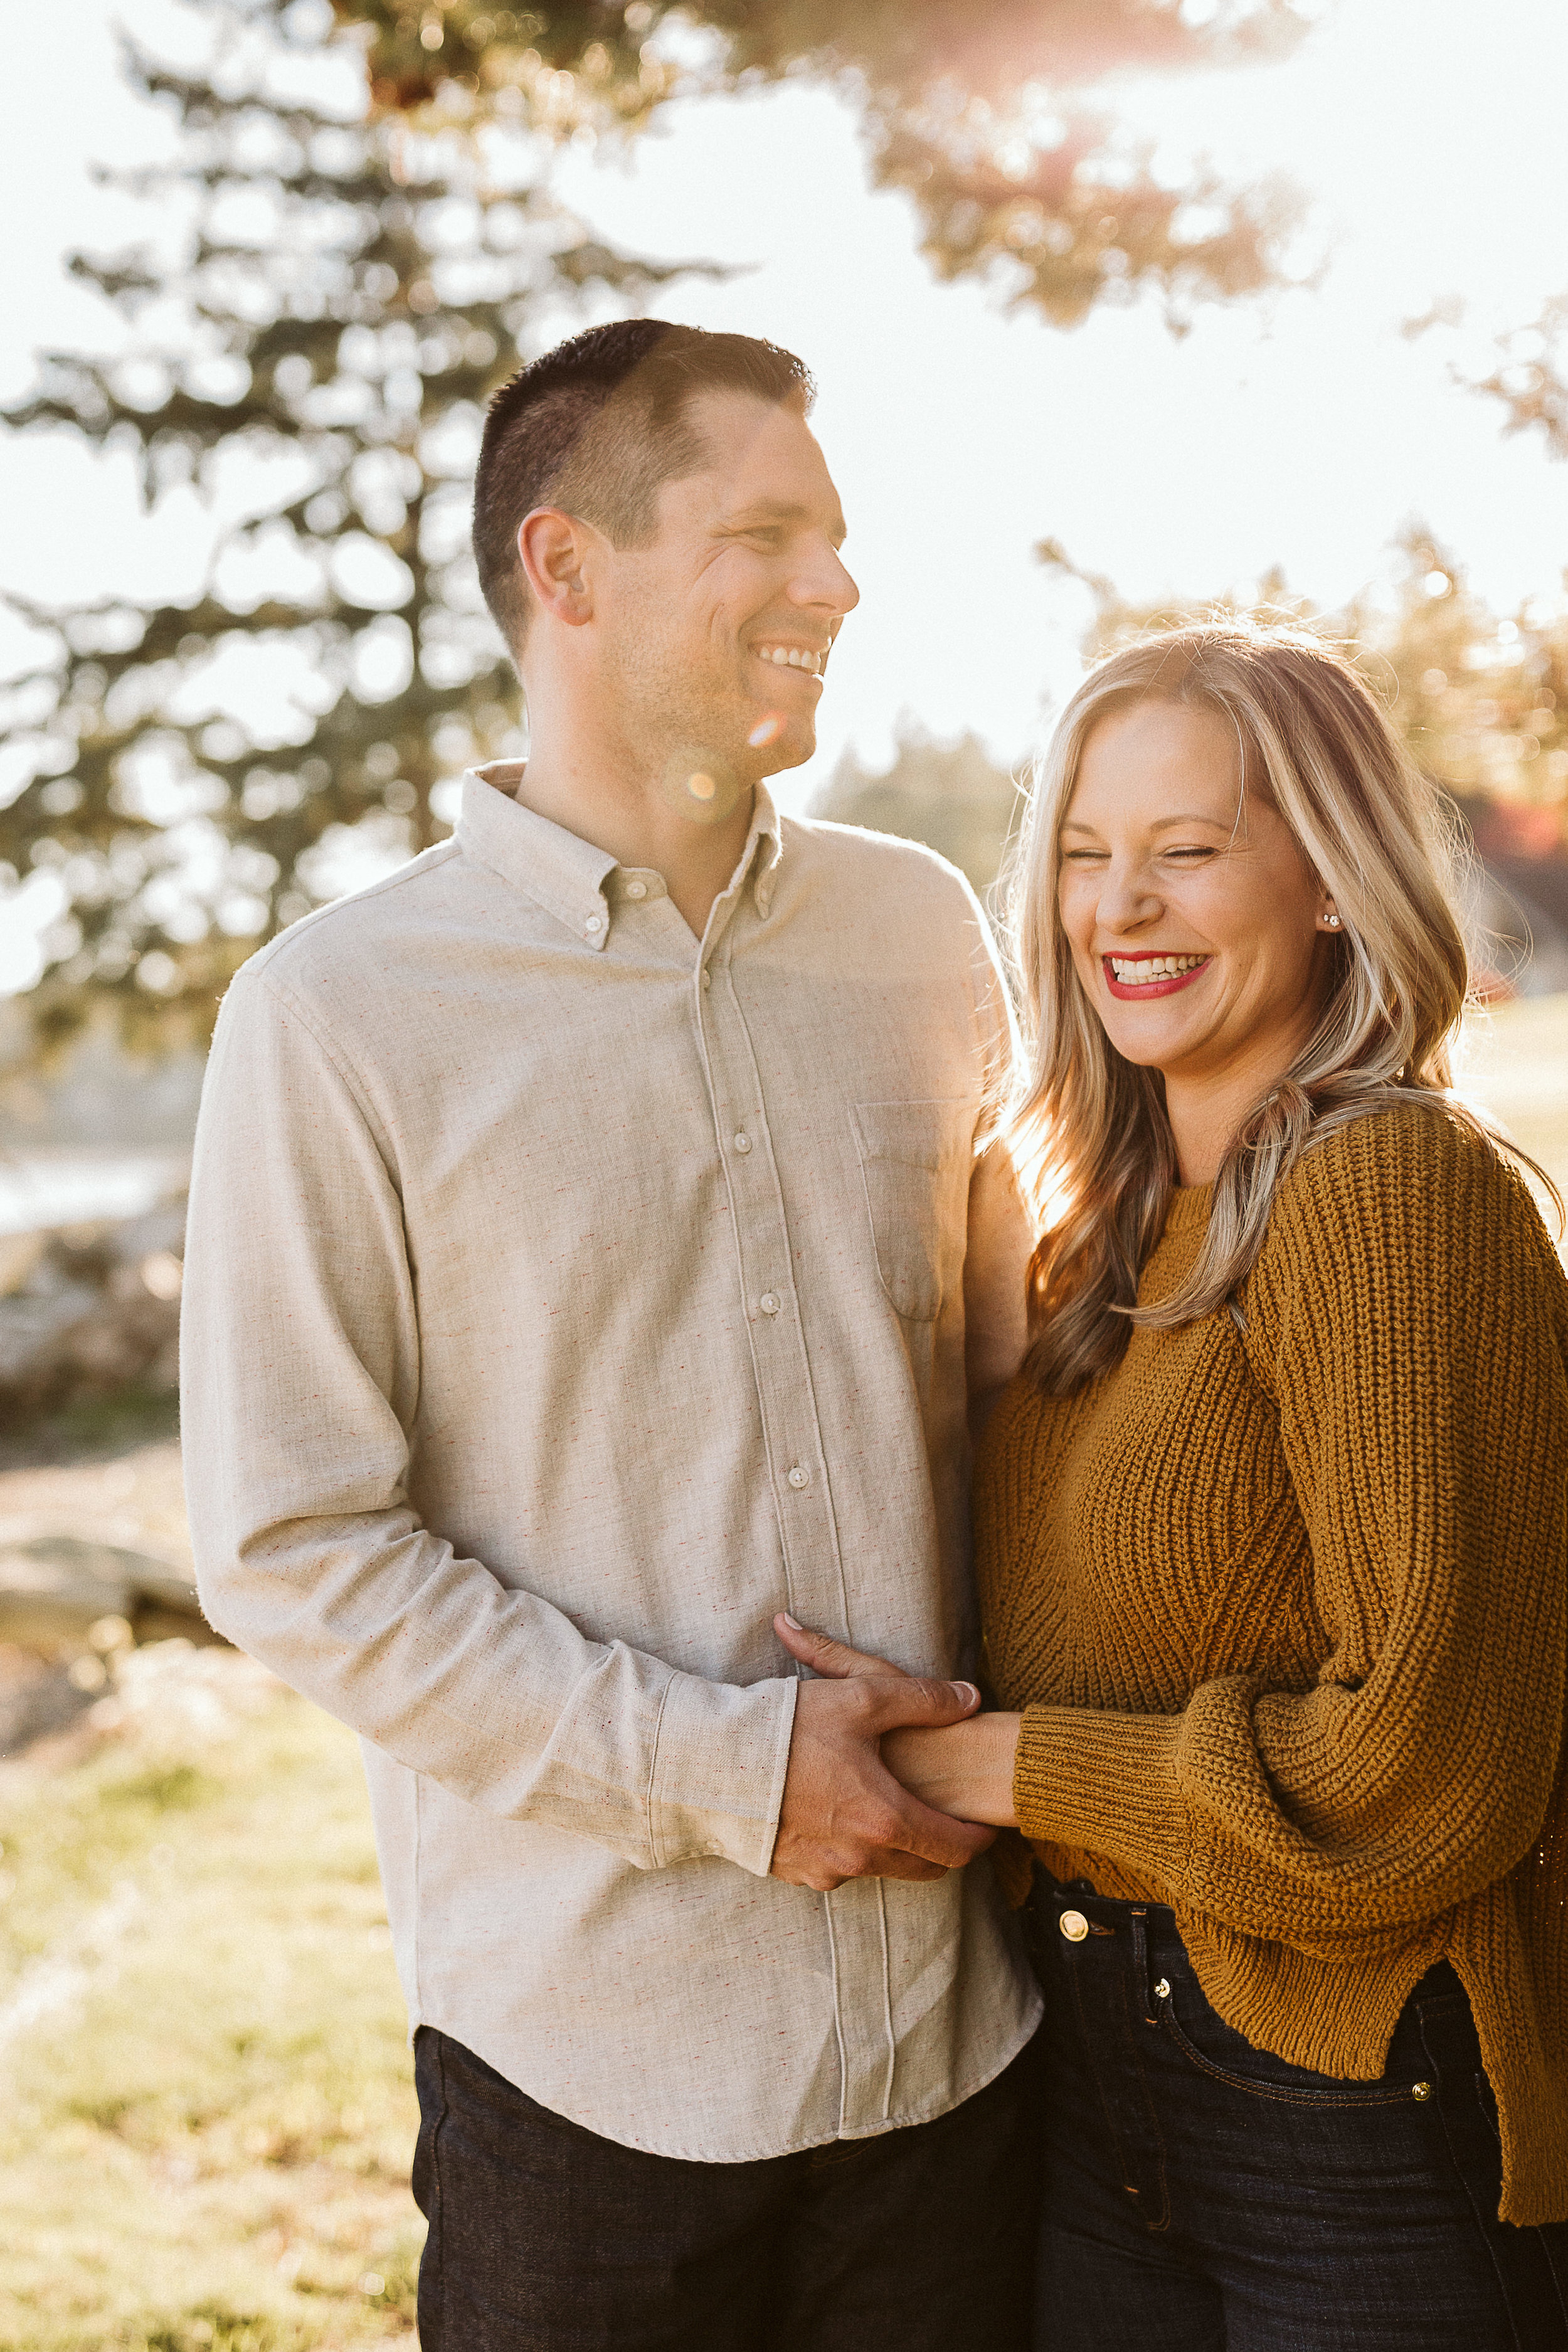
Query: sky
[[1304, 430]]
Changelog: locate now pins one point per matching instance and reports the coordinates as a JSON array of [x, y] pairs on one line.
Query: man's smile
[[811, 659]]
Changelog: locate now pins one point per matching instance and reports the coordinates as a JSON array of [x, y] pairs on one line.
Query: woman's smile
[[1136, 977]]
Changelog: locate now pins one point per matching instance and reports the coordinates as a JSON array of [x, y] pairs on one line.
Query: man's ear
[[556, 551]]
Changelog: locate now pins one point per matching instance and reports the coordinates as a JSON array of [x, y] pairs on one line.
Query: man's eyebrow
[[781, 511]]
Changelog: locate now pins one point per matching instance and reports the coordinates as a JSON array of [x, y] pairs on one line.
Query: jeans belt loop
[[1142, 1964]]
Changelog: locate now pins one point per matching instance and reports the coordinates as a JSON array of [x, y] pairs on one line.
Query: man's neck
[[618, 806]]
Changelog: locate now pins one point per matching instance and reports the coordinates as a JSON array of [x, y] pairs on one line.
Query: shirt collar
[[567, 875], [558, 871], [764, 847]]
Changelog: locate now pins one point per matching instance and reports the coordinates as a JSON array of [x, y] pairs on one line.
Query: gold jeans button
[[1074, 1927]]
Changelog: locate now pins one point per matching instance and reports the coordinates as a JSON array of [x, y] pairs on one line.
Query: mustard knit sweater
[[1287, 1614]]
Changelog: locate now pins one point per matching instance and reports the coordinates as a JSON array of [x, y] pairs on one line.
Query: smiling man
[[591, 1259]]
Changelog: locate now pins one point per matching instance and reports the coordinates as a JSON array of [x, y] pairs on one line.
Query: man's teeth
[[1132, 970], [793, 657]]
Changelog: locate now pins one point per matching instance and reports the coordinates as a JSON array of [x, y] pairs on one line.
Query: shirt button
[[636, 889], [595, 924], [769, 1302], [1162, 1989], [797, 1476], [707, 977], [1074, 1927], [742, 1144]]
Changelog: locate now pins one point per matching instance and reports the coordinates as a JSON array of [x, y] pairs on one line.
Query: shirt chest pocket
[[915, 1164]]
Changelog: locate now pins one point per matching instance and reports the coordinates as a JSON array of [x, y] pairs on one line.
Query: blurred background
[[1119, 310]]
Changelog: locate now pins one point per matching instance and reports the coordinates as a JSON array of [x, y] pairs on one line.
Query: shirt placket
[[797, 1467]]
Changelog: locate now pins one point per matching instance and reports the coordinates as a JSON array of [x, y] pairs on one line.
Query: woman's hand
[[965, 1769]]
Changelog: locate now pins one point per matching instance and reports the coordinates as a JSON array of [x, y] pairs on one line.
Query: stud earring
[[1333, 922]]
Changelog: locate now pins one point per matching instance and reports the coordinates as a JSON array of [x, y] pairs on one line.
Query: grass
[[206, 2110], [93, 1426]]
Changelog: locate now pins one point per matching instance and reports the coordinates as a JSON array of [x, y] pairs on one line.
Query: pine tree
[[351, 293]]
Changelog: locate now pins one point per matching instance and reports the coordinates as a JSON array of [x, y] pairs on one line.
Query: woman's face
[[1193, 918]]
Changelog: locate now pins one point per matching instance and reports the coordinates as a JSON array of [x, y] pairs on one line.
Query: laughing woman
[[1273, 1546]]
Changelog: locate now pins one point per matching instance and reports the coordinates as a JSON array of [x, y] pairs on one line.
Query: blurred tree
[[1530, 377], [951, 796], [186, 780], [1481, 701], [976, 108]]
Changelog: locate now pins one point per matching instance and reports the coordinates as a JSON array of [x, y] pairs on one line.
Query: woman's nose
[[1125, 898]]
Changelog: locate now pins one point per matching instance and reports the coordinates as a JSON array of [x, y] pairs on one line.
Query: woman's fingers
[[825, 1657]]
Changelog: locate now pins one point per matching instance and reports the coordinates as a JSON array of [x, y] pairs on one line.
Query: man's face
[[717, 633]]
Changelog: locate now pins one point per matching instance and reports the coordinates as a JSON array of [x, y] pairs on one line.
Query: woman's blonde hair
[[1089, 1130]]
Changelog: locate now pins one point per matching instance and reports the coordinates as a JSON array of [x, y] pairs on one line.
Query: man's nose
[[825, 584]]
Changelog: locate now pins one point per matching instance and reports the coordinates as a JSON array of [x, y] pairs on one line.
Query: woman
[[1272, 1532]]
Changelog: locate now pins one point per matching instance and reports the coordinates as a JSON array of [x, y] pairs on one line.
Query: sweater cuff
[[1105, 1783]]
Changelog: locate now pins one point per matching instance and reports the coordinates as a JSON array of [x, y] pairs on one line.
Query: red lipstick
[[1166, 985]]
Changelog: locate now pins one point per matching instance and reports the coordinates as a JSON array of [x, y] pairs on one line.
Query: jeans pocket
[[1218, 2051]]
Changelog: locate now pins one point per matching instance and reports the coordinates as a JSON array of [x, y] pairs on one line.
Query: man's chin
[[779, 741]]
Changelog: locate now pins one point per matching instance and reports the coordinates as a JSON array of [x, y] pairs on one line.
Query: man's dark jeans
[[1201, 2195], [545, 2238]]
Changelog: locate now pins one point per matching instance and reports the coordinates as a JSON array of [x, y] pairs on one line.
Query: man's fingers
[[909, 1866], [930, 1836], [824, 1656], [909, 1700], [918, 1702]]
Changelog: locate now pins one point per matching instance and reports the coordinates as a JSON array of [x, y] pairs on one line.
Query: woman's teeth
[[793, 657], [1130, 970]]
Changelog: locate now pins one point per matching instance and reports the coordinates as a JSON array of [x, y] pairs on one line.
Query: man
[[586, 1243]]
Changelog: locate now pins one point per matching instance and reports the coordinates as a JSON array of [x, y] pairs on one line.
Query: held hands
[[844, 1815]]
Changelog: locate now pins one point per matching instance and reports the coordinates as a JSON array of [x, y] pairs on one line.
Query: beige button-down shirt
[[566, 1295]]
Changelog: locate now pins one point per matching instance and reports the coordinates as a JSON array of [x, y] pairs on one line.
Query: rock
[[91, 1310], [34, 1328], [38, 1697], [56, 1589]]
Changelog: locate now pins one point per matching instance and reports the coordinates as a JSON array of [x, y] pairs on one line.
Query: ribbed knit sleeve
[[1409, 1322]]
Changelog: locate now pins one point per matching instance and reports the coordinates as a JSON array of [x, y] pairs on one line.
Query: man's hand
[[844, 1815]]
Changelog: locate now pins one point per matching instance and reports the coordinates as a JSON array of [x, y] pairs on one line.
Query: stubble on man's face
[[721, 628]]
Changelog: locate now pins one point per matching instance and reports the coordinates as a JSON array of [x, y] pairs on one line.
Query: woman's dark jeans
[[1201, 2196]]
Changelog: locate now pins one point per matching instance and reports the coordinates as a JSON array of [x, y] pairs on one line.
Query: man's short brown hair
[[596, 426]]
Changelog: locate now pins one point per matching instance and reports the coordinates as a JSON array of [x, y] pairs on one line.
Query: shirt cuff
[[720, 1754], [1105, 1783]]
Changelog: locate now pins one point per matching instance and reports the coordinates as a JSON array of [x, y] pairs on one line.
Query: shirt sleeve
[[1408, 1318], [300, 1345]]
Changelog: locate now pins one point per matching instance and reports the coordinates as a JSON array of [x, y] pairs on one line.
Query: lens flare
[[701, 786], [766, 731]]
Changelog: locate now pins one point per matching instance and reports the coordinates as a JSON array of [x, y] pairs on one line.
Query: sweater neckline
[[1189, 1209]]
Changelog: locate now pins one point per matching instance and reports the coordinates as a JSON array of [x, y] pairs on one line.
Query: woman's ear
[[554, 549]]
